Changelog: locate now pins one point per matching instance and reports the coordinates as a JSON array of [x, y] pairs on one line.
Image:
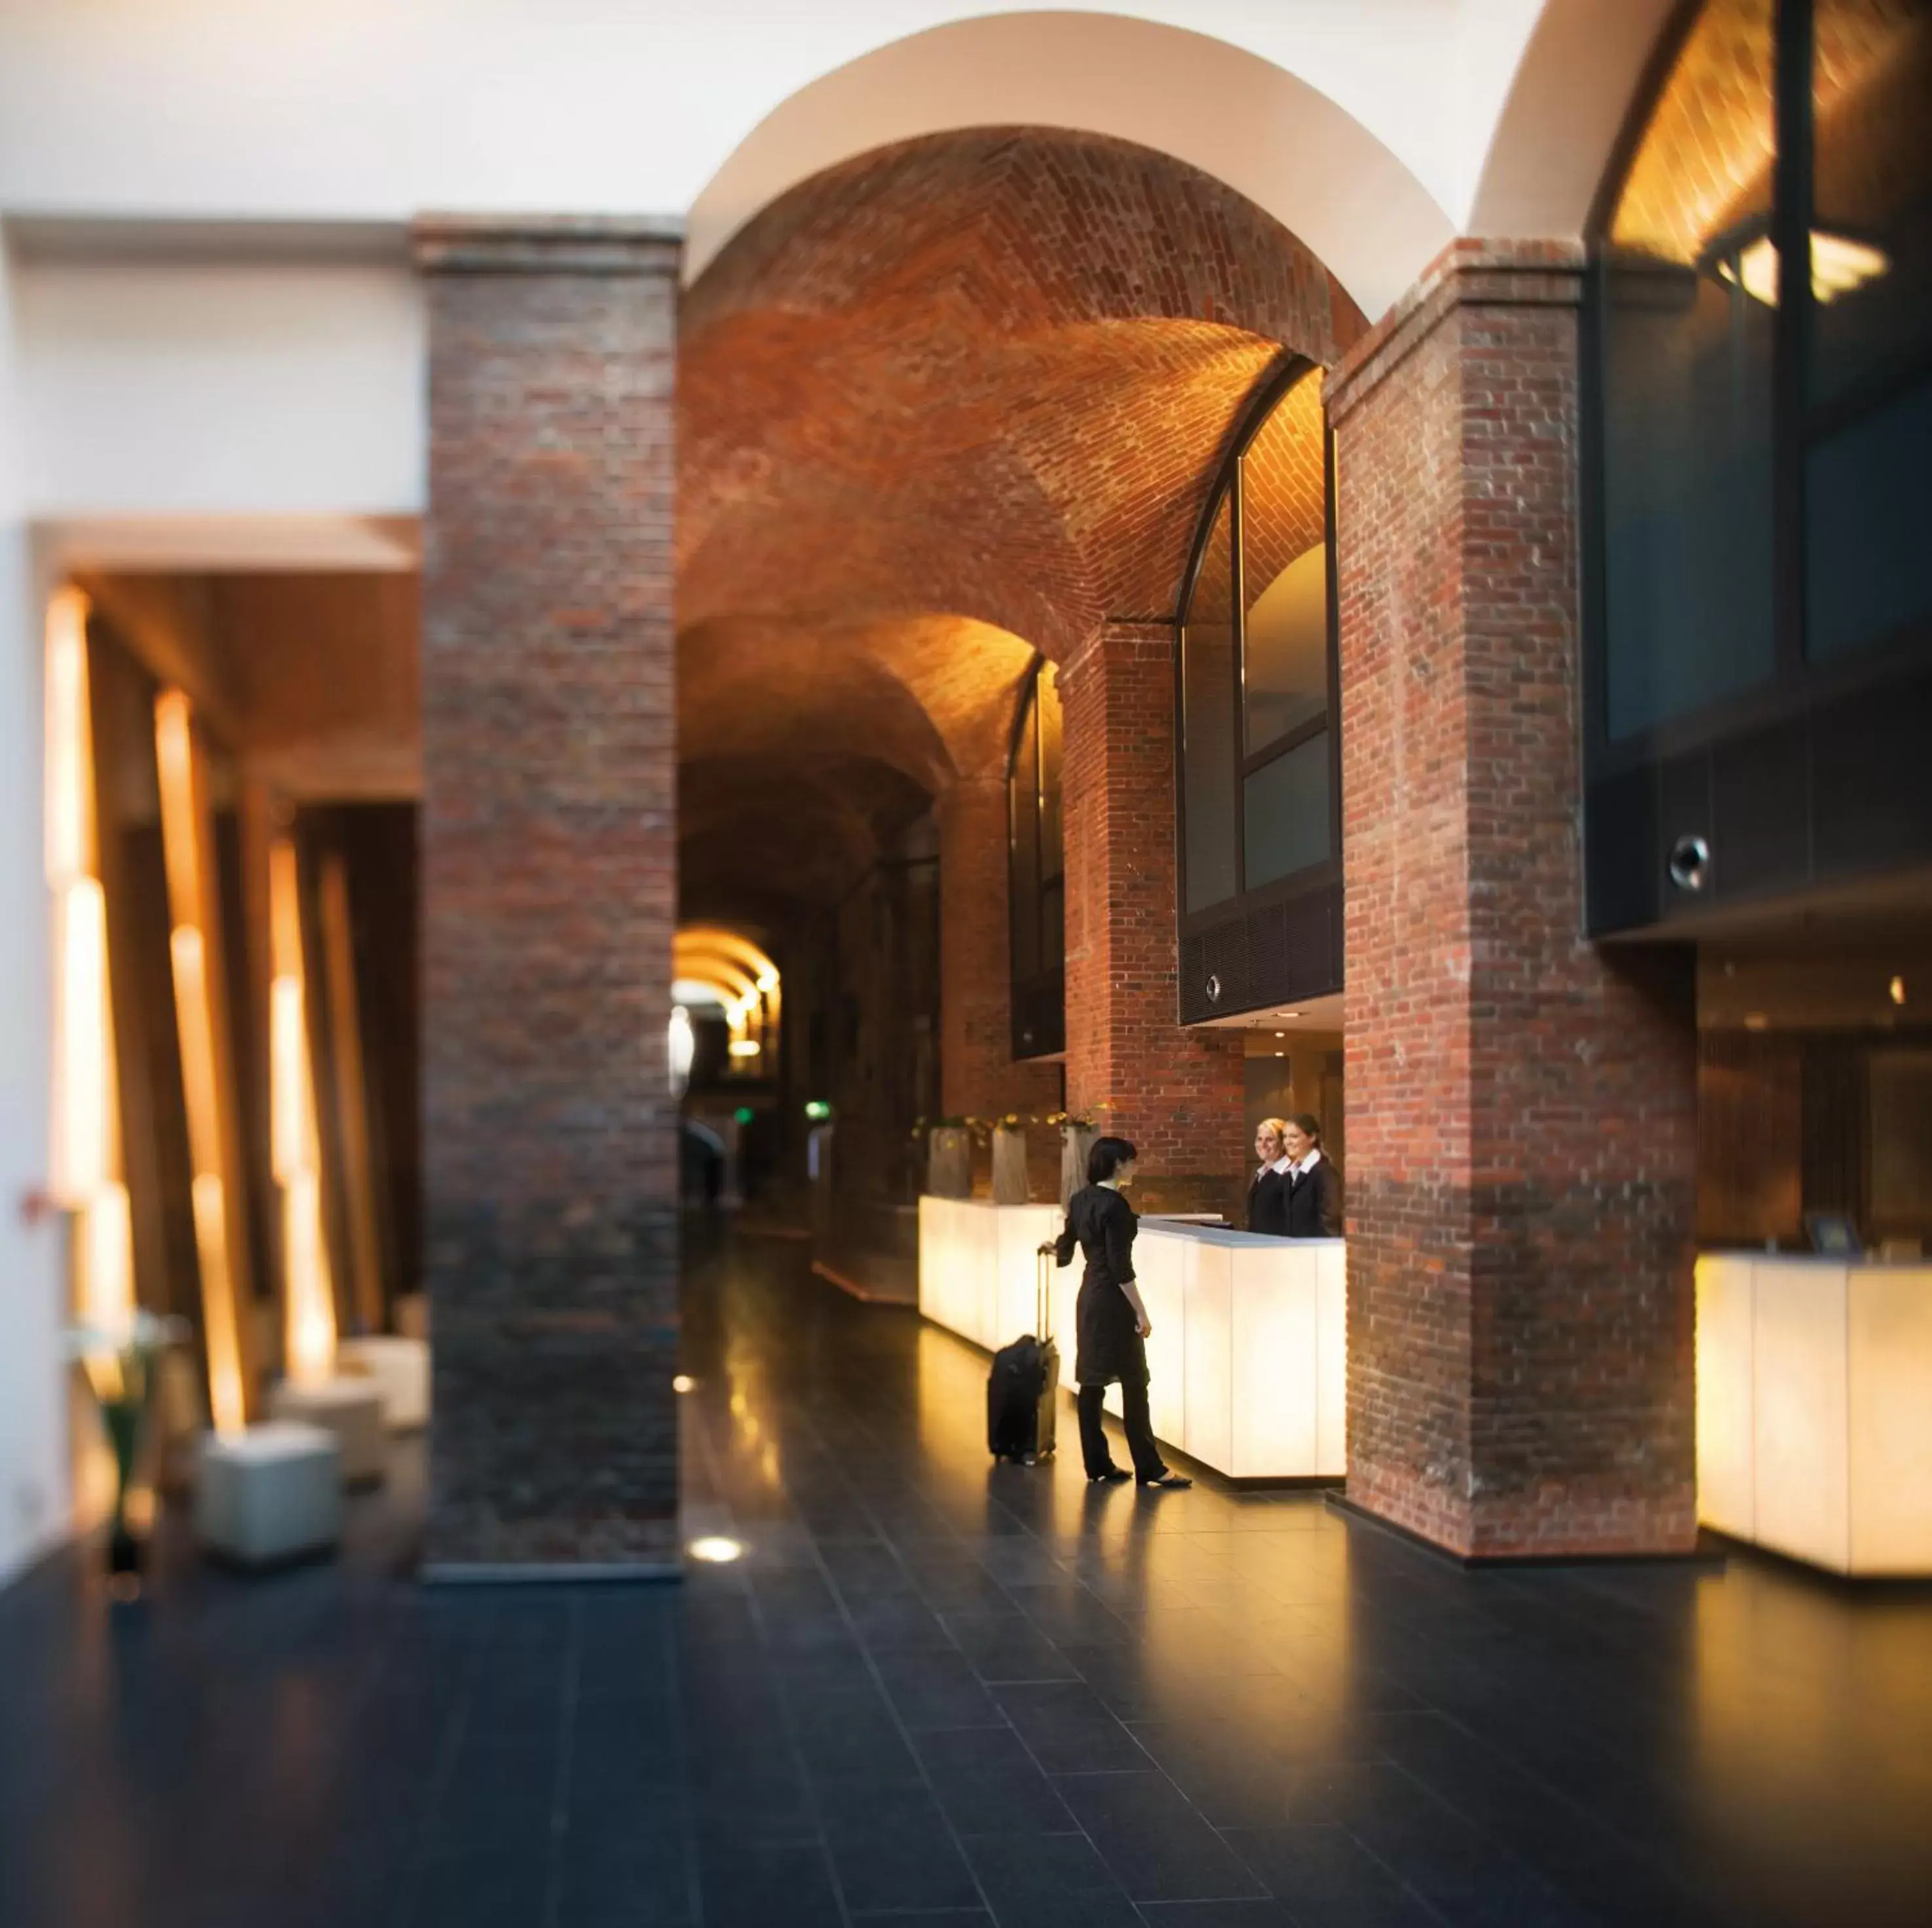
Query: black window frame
[[1327, 872], [1038, 998]]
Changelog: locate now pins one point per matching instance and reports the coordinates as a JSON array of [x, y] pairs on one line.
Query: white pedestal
[[273, 1492], [401, 1367], [351, 1409]]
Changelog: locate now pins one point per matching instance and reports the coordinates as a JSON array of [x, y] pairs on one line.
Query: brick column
[[1177, 1093], [1521, 1104], [549, 895], [978, 1075]]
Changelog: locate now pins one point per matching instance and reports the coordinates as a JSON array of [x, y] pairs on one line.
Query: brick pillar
[[1521, 1104], [549, 888], [1177, 1093], [978, 1075]]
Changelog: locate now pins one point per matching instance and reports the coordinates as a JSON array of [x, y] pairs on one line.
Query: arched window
[[1259, 793], [1036, 870], [1759, 438]]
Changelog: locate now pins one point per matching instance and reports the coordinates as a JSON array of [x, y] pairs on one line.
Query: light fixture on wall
[[309, 1287], [681, 1044], [184, 833], [1897, 989], [745, 1048], [81, 1152], [1747, 257], [84, 1158]]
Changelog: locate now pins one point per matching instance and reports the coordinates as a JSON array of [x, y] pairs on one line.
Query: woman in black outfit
[[1110, 1324], [1312, 1189], [1267, 1195]]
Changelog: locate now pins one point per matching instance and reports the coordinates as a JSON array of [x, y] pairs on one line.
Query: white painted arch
[[1573, 92], [1263, 130]]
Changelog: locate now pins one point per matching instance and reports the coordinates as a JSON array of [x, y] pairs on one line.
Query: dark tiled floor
[[935, 1692]]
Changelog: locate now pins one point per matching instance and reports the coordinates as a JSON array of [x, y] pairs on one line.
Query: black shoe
[[1112, 1476], [1169, 1482]]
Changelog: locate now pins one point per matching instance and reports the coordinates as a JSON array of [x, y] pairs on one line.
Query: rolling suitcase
[[1023, 1389]]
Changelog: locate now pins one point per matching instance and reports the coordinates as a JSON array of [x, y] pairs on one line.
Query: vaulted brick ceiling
[[946, 404]]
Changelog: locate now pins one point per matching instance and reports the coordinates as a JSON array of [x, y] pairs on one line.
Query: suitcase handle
[[1043, 1292]]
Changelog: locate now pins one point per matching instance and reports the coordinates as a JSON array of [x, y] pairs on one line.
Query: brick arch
[[1238, 113], [970, 387]]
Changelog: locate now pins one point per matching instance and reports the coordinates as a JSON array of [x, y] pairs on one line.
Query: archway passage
[[945, 409]]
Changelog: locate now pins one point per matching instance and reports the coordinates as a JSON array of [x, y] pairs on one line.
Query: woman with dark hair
[[1110, 1324], [1314, 1186]]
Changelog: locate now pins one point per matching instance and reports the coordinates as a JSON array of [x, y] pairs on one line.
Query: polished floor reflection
[[935, 1691]]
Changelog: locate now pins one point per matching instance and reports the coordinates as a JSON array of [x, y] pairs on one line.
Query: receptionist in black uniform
[[1267, 1195], [1110, 1322], [1313, 1186]]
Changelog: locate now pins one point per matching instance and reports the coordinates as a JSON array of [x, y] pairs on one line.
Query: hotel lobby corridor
[[933, 1690]]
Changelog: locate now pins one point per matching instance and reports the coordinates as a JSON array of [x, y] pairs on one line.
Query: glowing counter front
[[1814, 1409], [1249, 1355]]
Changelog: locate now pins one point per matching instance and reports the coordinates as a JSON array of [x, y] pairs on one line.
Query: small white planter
[[1075, 1142], [949, 1163], [1011, 1183]]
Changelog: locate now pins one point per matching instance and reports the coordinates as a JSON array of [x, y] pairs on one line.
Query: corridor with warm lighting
[[932, 1690]]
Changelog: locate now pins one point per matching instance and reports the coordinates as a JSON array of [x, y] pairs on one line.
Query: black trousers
[[1148, 1464]]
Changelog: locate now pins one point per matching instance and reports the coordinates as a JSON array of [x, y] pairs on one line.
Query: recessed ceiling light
[[1281, 1054], [1281, 1034], [684, 1383], [1898, 991], [716, 1549]]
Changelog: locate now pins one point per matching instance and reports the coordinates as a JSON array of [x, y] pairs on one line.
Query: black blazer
[[1314, 1202], [1107, 1341], [1268, 1203]]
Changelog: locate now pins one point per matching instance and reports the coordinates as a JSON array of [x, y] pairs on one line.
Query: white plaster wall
[[34, 1497], [268, 387], [379, 108]]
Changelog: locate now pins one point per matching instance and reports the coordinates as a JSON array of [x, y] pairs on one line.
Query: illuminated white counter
[[1248, 1361], [1814, 1409]]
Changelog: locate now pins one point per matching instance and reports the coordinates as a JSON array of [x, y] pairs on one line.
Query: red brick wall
[[1178, 1094], [978, 1075], [1521, 1104], [549, 880]]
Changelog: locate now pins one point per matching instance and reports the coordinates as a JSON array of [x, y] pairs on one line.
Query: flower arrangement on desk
[[950, 1151], [120, 1365]]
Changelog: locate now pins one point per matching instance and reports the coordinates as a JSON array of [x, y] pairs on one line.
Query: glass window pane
[[1285, 571], [1051, 836], [1286, 650], [1868, 481], [1207, 723], [1286, 823], [1023, 829], [1689, 289]]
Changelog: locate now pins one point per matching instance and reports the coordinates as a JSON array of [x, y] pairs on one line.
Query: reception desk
[[1249, 1355], [1814, 1409]]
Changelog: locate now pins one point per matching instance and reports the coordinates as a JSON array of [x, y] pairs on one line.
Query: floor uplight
[[715, 1549]]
